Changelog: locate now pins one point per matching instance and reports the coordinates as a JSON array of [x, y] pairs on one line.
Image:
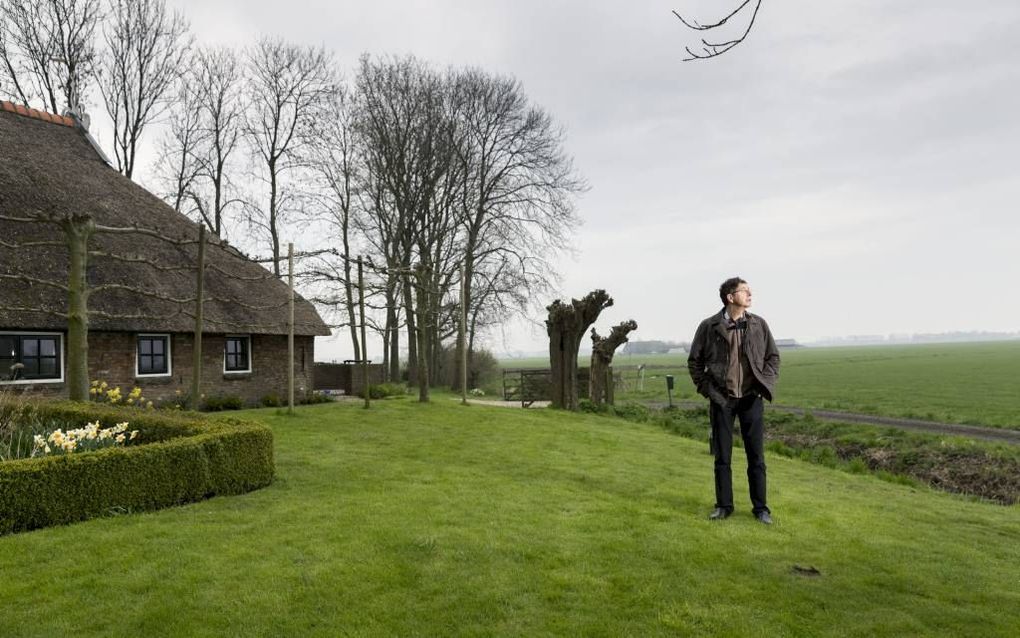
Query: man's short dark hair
[[728, 287]]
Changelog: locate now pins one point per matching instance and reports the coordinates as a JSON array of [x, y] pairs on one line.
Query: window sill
[[162, 379], [32, 382], [237, 376]]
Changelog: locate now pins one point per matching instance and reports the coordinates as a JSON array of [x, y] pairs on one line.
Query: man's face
[[741, 297]]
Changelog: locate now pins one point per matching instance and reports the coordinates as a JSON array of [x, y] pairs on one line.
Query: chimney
[[82, 123]]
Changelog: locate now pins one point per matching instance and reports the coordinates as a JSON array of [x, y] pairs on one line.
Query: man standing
[[734, 362]]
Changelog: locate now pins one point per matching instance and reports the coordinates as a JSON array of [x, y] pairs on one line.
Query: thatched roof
[[48, 166]]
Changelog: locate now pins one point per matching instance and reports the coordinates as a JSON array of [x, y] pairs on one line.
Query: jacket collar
[[720, 319]]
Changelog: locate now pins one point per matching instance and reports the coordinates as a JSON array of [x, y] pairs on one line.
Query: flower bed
[[182, 458]]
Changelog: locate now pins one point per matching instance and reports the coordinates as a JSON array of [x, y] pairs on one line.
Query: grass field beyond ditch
[[975, 383], [447, 520]]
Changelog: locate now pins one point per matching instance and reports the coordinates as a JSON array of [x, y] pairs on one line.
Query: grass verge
[[954, 464]]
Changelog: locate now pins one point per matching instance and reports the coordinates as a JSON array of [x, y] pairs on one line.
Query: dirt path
[[998, 435]]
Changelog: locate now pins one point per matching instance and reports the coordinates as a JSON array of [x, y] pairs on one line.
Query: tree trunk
[[78, 230], [462, 339], [602, 351], [393, 337], [349, 293], [565, 325], [422, 335], [273, 230], [412, 334]]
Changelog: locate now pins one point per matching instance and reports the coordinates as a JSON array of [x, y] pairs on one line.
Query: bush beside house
[[180, 458]]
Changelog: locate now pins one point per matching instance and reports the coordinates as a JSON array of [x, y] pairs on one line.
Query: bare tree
[[218, 82], [47, 51], [600, 382], [333, 157], [146, 49], [518, 182], [183, 144], [709, 49], [405, 126], [505, 288], [286, 83], [459, 170], [381, 226], [566, 325]]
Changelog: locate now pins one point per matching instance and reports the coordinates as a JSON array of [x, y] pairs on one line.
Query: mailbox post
[[669, 388]]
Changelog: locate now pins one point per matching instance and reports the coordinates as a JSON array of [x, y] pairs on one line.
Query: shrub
[[185, 458], [313, 398], [384, 390], [222, 402], [633, 412], [271, 400], [483, 370]]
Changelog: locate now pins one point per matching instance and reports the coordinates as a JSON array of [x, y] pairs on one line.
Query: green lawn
[[976, 383], [411, 520]]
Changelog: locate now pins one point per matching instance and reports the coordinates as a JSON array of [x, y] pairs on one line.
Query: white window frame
[[249, 339], [63, 355], [169, 355]]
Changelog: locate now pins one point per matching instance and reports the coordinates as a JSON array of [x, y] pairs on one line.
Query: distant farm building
[[788, 343]]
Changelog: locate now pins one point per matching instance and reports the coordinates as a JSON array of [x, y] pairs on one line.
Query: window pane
[[5, 366], [8, 346], [48, 347], [158, 363], [232, 346], [31, 367], [158, 346], [48, 368], [144, 363], [29, 347], [145, 346]]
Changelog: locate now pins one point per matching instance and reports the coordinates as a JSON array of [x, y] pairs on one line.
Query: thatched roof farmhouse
[[140, 329]]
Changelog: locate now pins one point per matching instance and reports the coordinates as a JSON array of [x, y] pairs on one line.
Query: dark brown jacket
[[710, 353]]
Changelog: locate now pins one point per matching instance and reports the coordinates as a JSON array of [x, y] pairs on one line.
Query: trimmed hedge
[[180, 458]]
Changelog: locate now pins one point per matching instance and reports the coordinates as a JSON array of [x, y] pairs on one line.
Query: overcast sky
[[855, 161]]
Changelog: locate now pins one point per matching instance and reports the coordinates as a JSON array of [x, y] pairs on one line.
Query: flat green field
[[975, 383], [439, 520]]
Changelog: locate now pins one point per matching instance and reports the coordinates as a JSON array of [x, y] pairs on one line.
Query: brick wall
[[112, 359]]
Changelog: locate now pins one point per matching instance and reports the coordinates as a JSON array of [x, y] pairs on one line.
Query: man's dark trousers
[[750, 411]]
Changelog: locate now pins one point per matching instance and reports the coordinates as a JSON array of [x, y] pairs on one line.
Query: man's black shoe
[[719, 513], [764, 518]]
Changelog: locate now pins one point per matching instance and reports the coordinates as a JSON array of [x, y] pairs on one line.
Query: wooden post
[[364, 345], [290, 329], [463, 338], [196, 371]]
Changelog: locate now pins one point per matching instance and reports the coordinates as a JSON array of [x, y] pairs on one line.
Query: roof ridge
[[36, 114]]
